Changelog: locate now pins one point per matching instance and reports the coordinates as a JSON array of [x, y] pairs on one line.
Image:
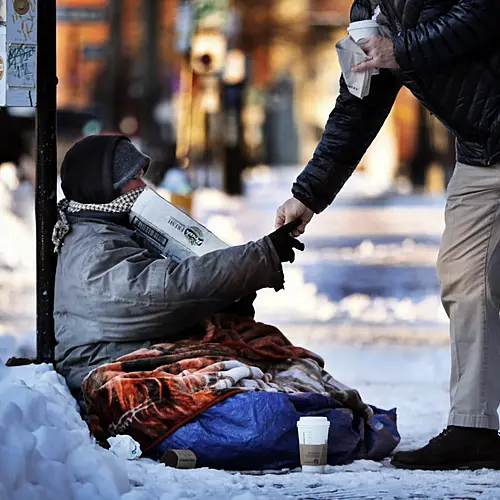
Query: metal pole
[[46, 178]]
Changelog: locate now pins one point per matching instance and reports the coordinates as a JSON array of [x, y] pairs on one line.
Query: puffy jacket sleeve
[[133, 290], [468, 27], [351, 128]]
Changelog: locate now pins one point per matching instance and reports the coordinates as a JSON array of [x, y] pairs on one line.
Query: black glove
[[284, 243], [243, 307]]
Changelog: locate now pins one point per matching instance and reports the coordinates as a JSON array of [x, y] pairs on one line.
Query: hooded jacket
[[114, 296], [448, 52]]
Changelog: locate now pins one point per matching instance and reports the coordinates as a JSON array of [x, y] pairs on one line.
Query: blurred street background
[[229, 98], [215, 87]]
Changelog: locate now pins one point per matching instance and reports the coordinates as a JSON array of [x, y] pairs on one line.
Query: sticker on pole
[[1, 68], [21, 6], [21, 59]]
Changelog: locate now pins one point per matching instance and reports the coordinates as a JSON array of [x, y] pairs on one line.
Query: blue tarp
[[258, 431]]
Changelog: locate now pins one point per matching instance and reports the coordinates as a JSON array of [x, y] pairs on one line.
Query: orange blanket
[[150, 393]]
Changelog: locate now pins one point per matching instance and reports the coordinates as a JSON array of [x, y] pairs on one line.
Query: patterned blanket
[[151, 392]]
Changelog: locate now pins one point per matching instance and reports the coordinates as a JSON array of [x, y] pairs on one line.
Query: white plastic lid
[[313, 421], [368, 23]]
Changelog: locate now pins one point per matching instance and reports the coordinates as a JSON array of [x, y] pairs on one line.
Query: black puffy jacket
[[448, 52]]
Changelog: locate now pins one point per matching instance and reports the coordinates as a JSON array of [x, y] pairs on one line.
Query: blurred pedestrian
[[447, 53]]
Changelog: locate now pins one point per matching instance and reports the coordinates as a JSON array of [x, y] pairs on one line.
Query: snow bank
[[44, 444], [16, 222], [301, 302], [408, 252], [46, 451], [237, 220], [17, 264]]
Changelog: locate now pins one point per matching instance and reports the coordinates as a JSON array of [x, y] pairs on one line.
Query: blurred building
[[87, 45], [117, 60]]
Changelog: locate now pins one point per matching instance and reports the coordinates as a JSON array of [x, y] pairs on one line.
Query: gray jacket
[[112, 296]]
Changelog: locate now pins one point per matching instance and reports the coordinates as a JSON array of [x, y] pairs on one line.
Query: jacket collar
[[119, 219]]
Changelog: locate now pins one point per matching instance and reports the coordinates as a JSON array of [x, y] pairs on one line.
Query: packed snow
[[46, 451], [327, 242]]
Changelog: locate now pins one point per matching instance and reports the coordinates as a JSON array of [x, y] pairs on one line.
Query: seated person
[[113, 295], [169, 353]]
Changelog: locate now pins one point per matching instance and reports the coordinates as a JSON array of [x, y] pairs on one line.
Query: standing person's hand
[[284, 243], [380, 50], [291, 210]]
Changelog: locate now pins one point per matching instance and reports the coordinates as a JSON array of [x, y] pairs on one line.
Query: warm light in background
[[235, 69], [129, 125], [208, 53]]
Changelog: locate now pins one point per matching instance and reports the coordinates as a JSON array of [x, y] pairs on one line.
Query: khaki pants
[[469, 271]]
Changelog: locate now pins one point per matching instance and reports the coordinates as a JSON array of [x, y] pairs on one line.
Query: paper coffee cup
[[363, 29], [313, 443]]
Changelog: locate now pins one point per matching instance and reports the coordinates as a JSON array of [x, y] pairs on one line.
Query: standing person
[[448, 54]]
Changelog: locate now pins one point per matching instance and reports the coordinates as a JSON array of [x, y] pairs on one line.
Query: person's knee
[[459, 279], [447, 271]]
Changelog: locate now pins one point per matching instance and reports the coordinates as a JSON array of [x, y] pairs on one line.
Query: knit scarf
[[121, 205]]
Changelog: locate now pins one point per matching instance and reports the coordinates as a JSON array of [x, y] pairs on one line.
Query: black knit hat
[[95, 168], [128, 161]]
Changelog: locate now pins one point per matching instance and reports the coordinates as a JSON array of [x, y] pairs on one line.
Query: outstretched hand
[[291, 210], [284, 243]]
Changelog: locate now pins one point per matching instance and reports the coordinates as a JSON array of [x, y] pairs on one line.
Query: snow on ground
[[46, 452], [45, 447], [17, 263], [362, 243], [301, 302]]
